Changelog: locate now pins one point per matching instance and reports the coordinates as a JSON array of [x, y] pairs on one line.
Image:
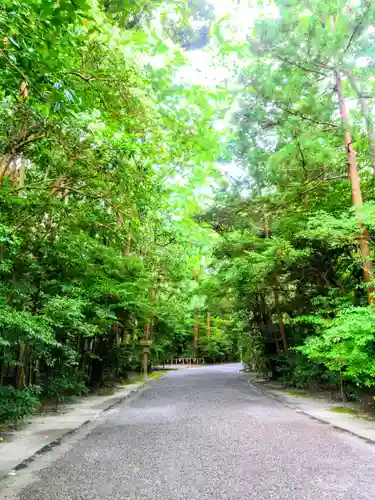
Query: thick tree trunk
[[20, 381]]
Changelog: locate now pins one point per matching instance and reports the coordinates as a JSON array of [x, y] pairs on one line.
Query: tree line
[[297, 227], [97, 247]]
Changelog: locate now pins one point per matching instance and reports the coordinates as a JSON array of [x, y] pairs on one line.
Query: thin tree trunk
[[305, 196], [208, 324], [277, 344], [147, 330], [306, 200], [196, 321], [30, 373], [342, 392], [152, 325], [2, 372], [263, 317], [281, 322], [153, 316], [21, 175], [148, 327], [127, 247], [276, 296], [195, 331], [266, 228]]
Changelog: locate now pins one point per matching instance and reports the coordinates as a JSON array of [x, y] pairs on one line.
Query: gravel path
[[204, 434]]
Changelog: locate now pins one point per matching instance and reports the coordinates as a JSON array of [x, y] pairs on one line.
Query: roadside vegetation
[[295, 253]]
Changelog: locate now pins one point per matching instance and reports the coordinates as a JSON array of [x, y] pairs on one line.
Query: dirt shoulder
[[348, 417]]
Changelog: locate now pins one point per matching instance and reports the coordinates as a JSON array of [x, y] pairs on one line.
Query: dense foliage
[[97, 249], [297, 226]]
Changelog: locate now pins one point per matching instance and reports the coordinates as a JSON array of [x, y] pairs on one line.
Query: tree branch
[[31, 138], [304, 117], [172, 240], [303, 161], [292, 63], [87, 79], [335, 178], [134, 22], [358, 26]]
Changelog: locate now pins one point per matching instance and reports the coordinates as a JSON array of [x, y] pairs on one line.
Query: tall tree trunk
[[20, 380], [2, 371], [148, 327], [354, 179], [305, 196], [195, 331], [356, 187], [152, 322], [281, 321], [208, 324], [196, 321], [263, 320], [276, 297]]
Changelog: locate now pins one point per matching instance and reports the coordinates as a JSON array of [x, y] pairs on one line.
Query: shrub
[[63, 387], [15, 404], [345, 345]]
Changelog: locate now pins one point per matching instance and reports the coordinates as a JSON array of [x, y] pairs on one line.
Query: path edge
[[58, 441], [256, 386]]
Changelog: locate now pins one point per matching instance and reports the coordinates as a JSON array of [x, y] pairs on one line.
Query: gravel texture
[[205, 434]]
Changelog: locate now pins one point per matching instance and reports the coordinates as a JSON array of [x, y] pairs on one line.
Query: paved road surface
[[204, 434]]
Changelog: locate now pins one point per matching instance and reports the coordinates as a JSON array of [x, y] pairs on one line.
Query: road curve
[[204, 434]]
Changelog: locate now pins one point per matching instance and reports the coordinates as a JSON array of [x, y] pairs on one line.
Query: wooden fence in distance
[[187, 361]]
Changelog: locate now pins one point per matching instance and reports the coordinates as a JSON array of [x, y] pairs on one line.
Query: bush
[[298, 371], [345, 345], [63, 387], [15, 404]]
